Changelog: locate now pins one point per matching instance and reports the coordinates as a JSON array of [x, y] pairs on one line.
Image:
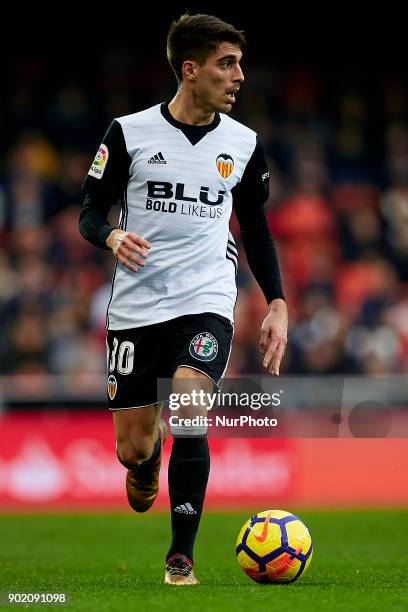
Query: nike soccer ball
[[274, 546]]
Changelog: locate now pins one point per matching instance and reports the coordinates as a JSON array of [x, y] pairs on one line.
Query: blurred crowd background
[[337, 141]]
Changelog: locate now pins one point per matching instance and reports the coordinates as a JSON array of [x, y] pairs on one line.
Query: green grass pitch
[[115, 562]]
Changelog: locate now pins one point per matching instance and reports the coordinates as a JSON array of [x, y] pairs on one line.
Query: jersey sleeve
[[104, 186], [249, 198]]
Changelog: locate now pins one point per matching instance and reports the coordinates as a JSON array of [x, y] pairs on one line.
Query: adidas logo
[[185, 509], [157, 159]]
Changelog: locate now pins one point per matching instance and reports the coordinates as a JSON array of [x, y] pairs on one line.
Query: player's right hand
[[124, 245]]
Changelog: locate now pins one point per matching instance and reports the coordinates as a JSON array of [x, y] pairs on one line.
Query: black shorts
[[138, 357]]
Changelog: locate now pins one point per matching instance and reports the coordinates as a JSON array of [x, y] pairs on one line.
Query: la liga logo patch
[[204, 347], [99, 163], [225, 164]]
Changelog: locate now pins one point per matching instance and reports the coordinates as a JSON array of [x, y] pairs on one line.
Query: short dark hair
[[196, 37]]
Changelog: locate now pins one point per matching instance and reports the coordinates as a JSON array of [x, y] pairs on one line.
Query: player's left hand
[[274, 334]]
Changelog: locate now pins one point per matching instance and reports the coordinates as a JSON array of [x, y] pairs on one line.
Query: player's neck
[[185, 109]]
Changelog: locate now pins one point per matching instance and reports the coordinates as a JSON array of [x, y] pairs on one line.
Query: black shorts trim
[[133, 407]]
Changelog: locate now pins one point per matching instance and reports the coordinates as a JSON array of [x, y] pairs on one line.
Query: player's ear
[[189, 70]]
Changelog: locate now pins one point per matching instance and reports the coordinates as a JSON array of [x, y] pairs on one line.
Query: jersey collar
[[194, 133]]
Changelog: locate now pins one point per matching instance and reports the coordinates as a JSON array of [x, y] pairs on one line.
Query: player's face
[[219, 79]]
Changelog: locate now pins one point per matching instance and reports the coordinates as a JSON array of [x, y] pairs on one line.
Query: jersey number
[[125, 356]]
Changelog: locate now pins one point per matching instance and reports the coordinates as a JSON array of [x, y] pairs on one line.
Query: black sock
[[188, 475]]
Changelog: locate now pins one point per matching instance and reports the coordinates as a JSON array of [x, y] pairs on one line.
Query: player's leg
[[136, 431], [189, 468], [140, 435], [133, 363], [203, 352]]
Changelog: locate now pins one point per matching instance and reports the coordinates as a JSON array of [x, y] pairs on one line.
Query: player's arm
[[250, 196], [104, 186]]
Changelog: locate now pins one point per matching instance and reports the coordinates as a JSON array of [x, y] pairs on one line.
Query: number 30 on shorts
[[122, 357]]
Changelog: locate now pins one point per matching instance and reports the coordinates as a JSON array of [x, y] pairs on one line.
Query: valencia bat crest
[[225, 164]]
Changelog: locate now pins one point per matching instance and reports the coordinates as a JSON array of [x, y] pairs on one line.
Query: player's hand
[[125, 246], [274, 333]]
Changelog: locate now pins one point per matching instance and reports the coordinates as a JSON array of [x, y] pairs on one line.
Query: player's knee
[[133, 454]]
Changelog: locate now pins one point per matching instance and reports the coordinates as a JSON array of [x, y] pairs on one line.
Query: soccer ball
[[274, 546]]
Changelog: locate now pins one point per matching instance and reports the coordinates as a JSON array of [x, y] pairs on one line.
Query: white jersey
[[178, 196]]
